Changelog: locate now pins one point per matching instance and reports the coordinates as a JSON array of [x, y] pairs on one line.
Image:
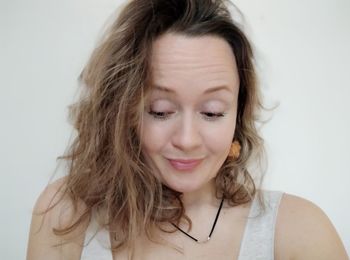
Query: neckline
[[243, 239]]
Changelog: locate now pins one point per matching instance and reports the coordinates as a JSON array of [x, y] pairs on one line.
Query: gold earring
[[235, 150]]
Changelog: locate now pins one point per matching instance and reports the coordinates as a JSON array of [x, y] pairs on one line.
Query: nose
[[187, 135]]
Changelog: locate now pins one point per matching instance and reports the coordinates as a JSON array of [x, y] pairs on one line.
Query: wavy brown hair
[[106, 168]]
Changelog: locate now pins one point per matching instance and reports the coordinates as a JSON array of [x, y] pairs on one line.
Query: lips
[[184, 165]]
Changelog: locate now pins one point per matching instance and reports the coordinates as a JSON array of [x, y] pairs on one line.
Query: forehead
[[204, 61]]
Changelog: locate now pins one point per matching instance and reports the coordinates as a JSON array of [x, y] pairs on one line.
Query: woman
[[161, 166]]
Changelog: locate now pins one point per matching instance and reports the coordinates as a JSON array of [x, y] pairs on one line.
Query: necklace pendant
[[203, 241]]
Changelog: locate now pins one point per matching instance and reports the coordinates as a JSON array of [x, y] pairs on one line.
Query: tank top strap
[[96, 243], [259, 235]]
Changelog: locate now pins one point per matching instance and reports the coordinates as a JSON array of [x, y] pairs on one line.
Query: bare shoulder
[[42, 242], [303, 231]]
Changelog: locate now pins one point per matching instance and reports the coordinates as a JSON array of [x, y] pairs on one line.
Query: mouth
[[184, 165]]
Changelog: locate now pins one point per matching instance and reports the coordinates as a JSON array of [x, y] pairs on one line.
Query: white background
[[304, 61]]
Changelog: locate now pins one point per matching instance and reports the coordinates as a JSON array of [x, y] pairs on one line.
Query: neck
[[199, 205], [202, 198]]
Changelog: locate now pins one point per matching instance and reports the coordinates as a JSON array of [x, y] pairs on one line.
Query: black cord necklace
[[211, 231]]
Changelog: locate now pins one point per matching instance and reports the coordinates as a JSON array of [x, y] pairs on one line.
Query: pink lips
[[184, 165]]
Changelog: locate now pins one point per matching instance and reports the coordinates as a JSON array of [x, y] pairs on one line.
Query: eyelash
[[159, 115], [209, 116], [213, 115]]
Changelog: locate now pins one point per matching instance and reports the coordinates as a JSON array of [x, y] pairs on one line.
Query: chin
[[184, 187], [184, 182]]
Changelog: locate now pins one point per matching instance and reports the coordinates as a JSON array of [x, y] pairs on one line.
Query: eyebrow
[[208, 91]]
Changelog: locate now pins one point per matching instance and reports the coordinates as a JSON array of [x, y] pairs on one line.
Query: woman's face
[[190, 113]]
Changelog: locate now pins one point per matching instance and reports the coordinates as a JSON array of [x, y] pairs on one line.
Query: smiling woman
[[160, 168], [188, 126]]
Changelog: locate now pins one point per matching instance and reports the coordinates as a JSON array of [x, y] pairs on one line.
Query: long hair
[[106, 168]]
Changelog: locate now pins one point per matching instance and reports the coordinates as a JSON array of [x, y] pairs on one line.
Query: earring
[[235, 150]]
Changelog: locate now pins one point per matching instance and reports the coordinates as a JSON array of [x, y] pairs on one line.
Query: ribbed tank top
[[257, 242]]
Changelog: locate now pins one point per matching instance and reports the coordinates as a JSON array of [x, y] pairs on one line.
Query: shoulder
[[42, 243], [62, 212], [303, 231], [49, 195]]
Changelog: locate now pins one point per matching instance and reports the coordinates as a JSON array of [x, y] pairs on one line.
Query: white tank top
[[257, 242]]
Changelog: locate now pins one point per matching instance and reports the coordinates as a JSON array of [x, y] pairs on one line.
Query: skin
[[188, 67], [191, 112]]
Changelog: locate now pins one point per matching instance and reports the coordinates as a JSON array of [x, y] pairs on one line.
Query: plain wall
[[303, 60]]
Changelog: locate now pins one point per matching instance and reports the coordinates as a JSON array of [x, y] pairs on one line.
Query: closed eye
[[212, 116], [160, 115]]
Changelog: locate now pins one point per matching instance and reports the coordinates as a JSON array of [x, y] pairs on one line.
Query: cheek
[[154, 137], [219, 140]]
